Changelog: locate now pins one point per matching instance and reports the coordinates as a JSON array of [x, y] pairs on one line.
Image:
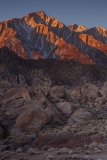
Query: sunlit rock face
[[68, 51], [77, 28], [38, 36]]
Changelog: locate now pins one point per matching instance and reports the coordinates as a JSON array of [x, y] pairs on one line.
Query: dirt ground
[[92, 156]]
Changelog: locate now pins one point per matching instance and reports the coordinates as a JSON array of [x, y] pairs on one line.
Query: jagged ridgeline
[[38, 36]]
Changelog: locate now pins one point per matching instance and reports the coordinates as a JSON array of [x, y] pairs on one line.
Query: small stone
[[70, 152], [75, 156], [19, 150], [50, 149], [50, 157], [46, 154], [59, 152], [87, 152], [98, 151], [86, 157], [21, 158], [37, 153], [31, 151], [45, 148]]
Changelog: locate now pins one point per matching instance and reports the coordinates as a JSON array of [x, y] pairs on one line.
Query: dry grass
[[64, 140]]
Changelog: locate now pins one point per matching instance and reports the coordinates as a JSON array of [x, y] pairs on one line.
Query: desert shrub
[[41, 140], [59, 139], [99, 139], [68, 140]]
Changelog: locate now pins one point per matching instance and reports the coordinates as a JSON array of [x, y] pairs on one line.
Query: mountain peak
[[77, 28], [41, 14], [102, 31]]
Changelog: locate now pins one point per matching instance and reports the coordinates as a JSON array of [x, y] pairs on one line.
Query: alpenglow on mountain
[[40, 36]]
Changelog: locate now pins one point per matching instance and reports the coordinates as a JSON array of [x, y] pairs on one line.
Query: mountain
[[38, 36]]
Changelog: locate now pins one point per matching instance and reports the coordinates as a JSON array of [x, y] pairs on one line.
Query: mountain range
[[37, 35]]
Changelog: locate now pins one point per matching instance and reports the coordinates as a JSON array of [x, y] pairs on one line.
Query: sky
[[89, 13]]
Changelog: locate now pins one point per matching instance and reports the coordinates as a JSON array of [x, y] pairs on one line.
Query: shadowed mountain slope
[[61, 72]]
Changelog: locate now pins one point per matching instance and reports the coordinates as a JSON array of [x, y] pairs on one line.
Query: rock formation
[[51, 103]]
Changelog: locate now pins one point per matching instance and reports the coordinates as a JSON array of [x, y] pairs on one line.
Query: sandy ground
[[93, 156]]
